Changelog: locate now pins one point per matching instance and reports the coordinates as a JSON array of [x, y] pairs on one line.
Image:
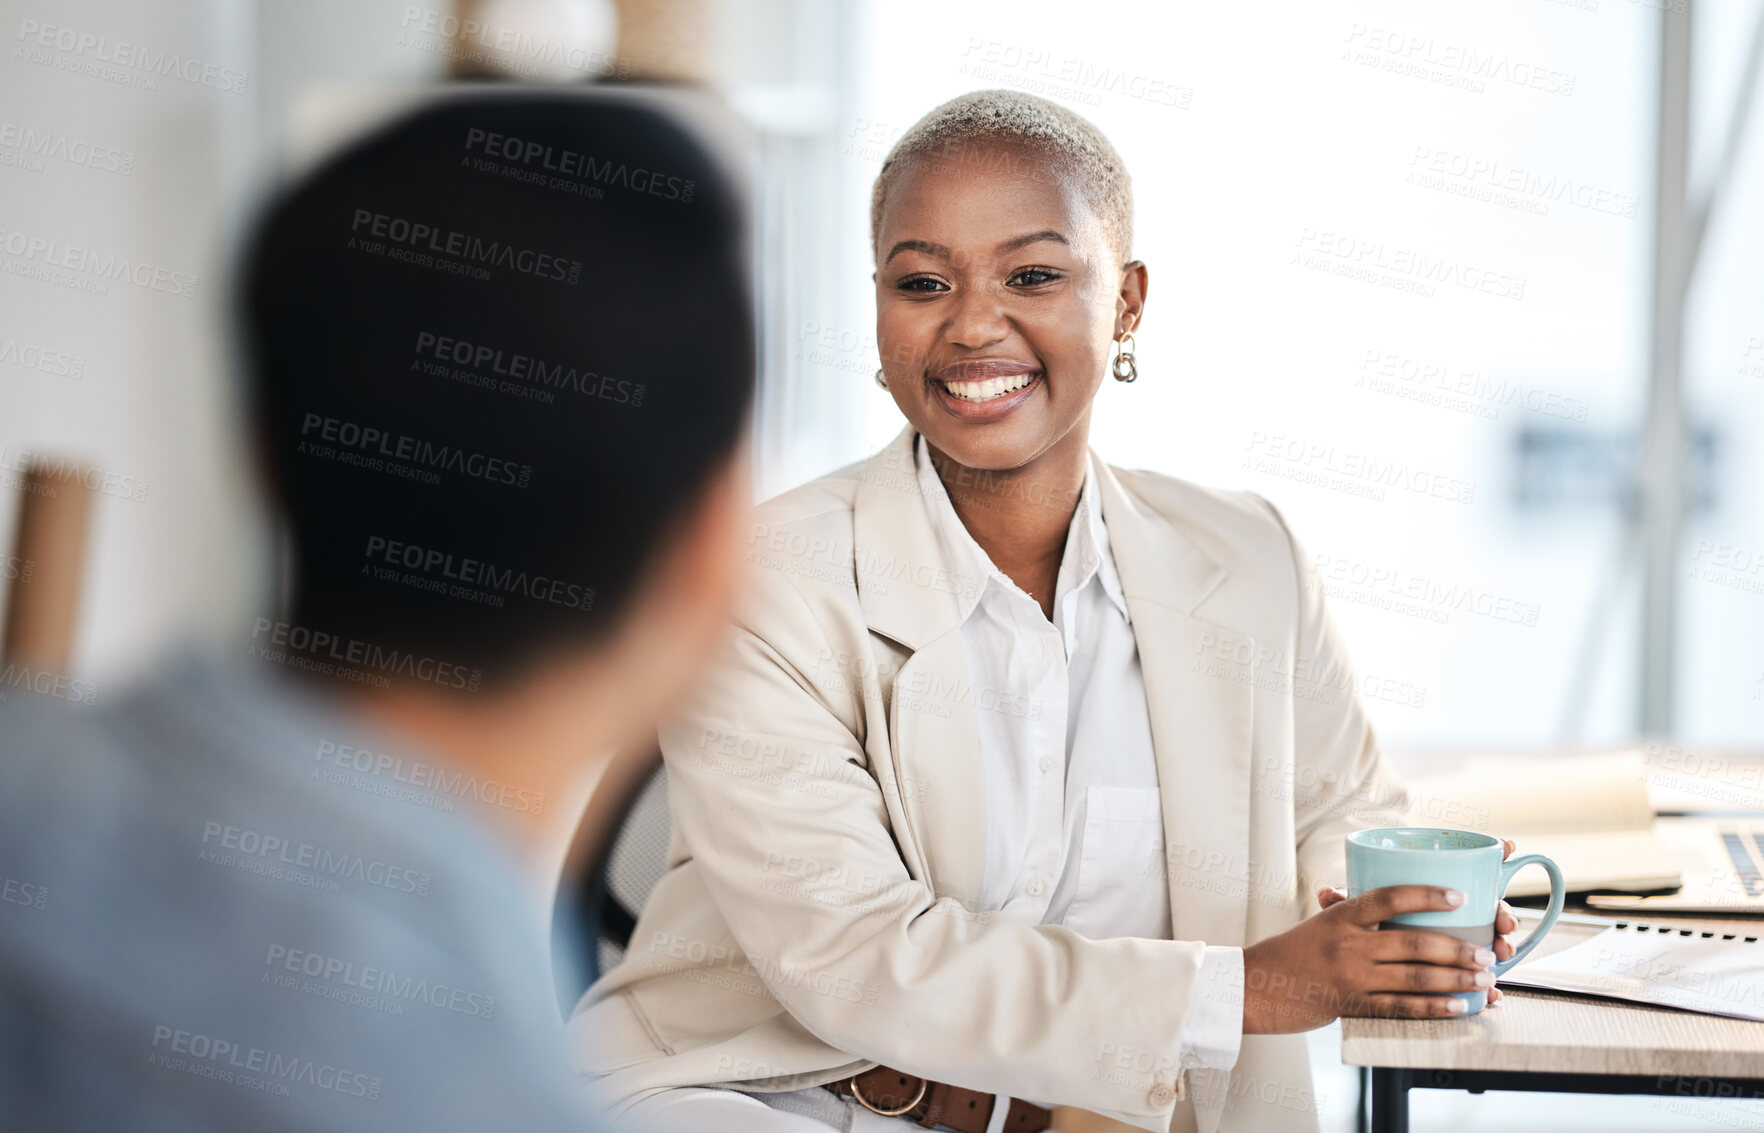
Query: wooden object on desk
[[1547, 1033], [49, 554]]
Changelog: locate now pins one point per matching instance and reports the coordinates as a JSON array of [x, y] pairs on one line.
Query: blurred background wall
[[1403, 257]]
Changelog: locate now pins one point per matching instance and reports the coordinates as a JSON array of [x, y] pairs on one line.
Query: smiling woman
[[1071, 749], [1007, 223]]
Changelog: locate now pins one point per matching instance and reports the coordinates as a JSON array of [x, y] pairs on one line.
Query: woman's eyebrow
[[1010, 245], [1016, 242], [925, 246]]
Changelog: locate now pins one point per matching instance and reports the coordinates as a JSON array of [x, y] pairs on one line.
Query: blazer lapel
[[1200, 707], [935, 740], [908, 595], [897, 556], [1201, 715]]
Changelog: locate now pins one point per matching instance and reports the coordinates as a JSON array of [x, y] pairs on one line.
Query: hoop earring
[[1125, 368], [880, 380]]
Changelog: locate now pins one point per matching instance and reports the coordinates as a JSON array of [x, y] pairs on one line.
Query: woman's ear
[[1130, 303]]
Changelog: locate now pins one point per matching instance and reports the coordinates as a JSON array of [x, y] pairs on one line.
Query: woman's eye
[[1033, 277], [921, 283]]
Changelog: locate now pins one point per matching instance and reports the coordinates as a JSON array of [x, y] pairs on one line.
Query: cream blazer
[[819, 913]]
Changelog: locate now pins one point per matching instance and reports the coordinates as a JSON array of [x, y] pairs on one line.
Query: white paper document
[[1669, 966]]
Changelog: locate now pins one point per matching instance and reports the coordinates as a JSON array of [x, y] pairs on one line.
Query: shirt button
[[1162, 1094], [1034, 886], [1047, 763]]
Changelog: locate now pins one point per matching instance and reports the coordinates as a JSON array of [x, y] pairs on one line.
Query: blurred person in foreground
[[304, 885]]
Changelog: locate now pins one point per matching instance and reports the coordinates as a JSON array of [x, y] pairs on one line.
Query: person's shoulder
[[802, 538], [189, 873], [56, 754], [824, 502], [1237, 529]]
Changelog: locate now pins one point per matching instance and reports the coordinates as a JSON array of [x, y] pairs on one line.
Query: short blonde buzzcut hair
[[949, 135]]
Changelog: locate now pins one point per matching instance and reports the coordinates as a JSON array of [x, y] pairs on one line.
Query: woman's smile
[[986, 389]]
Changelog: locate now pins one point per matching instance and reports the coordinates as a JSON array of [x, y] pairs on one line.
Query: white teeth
[[989, 388]]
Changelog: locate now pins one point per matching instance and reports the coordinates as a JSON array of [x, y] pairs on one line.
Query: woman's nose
[[978, 320]]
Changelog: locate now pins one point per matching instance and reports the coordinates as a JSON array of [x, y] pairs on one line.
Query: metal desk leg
[[1390, 1100]]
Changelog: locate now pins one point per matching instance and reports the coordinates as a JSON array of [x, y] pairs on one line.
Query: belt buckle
[[924, 1084]]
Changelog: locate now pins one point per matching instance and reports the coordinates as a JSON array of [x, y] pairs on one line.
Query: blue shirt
[[212, 919]]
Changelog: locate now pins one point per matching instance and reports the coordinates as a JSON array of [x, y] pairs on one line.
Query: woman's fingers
[[1377, 905], [1329, 895], [1505, 922], [1406, 978], [1415, 1006], [1421, 947]]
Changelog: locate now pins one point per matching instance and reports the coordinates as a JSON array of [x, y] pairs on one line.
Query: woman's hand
[[1340, 962], [1505, 922]]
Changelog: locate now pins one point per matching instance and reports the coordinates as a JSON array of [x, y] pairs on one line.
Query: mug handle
[[1558, 894]]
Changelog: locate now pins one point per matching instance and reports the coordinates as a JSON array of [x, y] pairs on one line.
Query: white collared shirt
[[1074, 829]]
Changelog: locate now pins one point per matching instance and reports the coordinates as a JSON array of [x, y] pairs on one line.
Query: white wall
[[178, 162], [1259, 135]]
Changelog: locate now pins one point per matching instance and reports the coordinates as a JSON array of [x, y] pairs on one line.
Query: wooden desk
[[1534, 1040]]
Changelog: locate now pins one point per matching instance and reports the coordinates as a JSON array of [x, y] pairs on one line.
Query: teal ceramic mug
[[1456, 859]]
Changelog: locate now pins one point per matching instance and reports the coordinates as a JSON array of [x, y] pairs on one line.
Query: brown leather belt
[[894, 1093]]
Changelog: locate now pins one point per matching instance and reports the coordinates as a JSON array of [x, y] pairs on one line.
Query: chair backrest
[[637, 862], [621, 859]]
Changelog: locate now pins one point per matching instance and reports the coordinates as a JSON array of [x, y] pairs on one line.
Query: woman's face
[[997, 299]]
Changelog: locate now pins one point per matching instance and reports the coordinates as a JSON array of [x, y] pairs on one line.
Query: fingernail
[[1454, 898], [1483, 979], [1457, 1007], [1484, 958]]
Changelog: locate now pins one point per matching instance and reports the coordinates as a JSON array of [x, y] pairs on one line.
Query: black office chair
[[619, 855]]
